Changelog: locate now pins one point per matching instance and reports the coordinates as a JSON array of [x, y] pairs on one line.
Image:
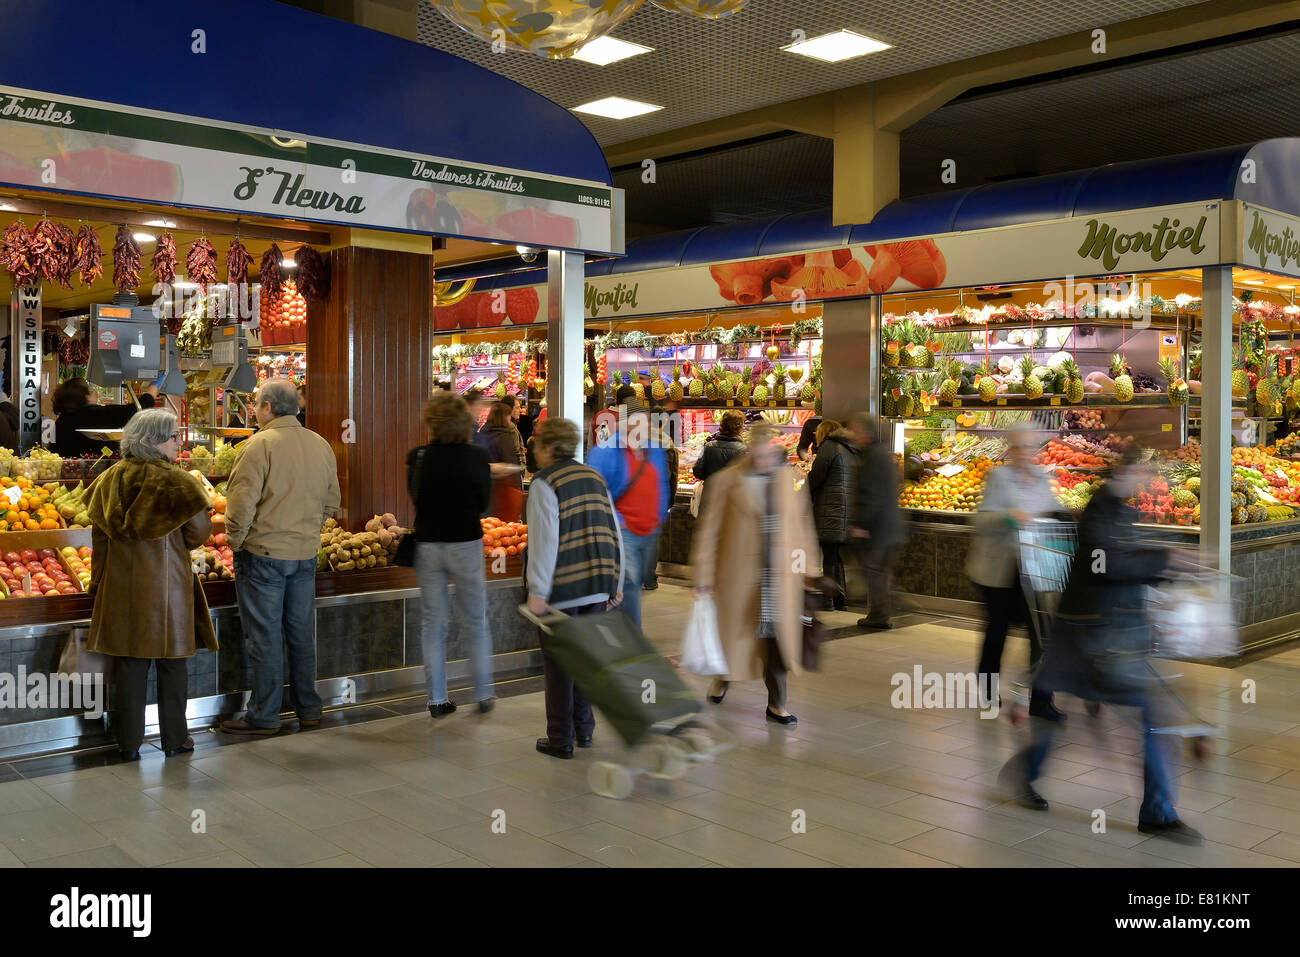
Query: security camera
[[527, 253]]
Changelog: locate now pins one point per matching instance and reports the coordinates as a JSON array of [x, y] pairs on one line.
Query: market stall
[[226, 250]]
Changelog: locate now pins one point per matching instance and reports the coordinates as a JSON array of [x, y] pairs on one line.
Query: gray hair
[[145, 431], [281, 394]]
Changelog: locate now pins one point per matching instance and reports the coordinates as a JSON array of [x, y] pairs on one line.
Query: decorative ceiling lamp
[[549, 28], [702, 9]]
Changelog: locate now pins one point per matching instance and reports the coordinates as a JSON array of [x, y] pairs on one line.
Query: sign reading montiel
[[1107, 243], [80, 146]]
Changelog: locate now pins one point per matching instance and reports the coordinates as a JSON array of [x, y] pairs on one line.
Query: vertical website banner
[[25, 315]]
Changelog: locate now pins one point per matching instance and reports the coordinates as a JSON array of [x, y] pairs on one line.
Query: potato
[[356, 553], [382, 560], [346, 566], [388, 519], [385, 538], [370, 561]]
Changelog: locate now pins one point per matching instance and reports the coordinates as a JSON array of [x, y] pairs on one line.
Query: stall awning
[[1264, 174]]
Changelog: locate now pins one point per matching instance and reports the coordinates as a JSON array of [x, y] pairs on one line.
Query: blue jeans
[[461, 563], [635, 549], [1157, 789], [650, 571], [277, 608]]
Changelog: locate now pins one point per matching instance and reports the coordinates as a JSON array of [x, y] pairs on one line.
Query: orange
[[32, 526], [49, 523]]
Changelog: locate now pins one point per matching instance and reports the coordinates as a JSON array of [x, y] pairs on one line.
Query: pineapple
[[711, 389], [807, 393], [905, 403], [948, 388], [1123, 384], [1240, 382], [639, 389], [697, 387], [1184, 499], [987, 385], [501, 387], [657, 390], [1267, 390], [677, 372], [1033, 384], [922, 357], [746, 374], [675, 391], [778, 378], [760, 394], [889, 404], [1073, 382], [742, 392], [1178, 390], [892, 335]]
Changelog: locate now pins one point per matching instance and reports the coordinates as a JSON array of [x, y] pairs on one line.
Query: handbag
[[405, 555]]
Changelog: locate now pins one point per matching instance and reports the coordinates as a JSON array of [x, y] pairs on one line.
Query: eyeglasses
[[174, 437]]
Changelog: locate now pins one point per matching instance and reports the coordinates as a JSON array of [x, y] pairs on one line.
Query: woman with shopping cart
[[1100, 644], [1015, 495]]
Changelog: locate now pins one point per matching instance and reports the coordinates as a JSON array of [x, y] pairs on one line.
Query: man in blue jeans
[[634, 465], [282, 489]]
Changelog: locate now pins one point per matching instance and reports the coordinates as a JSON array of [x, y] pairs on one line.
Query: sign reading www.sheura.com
[[78, 146]]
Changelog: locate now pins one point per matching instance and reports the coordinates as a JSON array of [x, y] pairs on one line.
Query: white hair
[[145, 431], [281, 394]]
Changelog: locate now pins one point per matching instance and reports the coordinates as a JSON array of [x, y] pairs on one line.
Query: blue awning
[[1271, 179]]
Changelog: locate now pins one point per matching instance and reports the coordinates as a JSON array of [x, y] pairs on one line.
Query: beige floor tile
[[1073, 820], [513, 848], [439, 777], [8, 858], [939, 785], [220, 804], [1131, 785], [1088, 851], [544, 776], [536, 815], [153, 770], [23, 796], [850, 849], [342, 777], [239, 767], [382, 842], [749, 817], [309, 805], [1222, 830], [465, 862], [1261, 815], [417, 808], [343, 860], [635, 814], [1209, 854], [880, 824], [937, 812], [158, 837], [949, 764], [966, 851], [100, 799], [272, 840], [475, 755], [613, 846], [47, 832], [108, 856], [1284, 846], [224, 859], [731, 848], [864, 791]]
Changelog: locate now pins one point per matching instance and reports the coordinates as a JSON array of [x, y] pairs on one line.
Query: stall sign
[[1270, 241], [25, 310]]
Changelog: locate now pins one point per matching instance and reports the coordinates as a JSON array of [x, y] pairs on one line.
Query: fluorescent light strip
[[616, 108], [837, 47], [606, 50]]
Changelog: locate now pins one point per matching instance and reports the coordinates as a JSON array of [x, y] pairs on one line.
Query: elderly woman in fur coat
[[147, 513]]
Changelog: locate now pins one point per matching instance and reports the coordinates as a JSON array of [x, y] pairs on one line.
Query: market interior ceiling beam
[[864, 121], [40, 206]]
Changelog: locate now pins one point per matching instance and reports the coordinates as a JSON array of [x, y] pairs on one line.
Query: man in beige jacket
[[282, 488]]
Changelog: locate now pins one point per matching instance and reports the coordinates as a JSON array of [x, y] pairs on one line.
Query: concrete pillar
[[564, 324], [1216, 415], [850, 376], [865, 159]]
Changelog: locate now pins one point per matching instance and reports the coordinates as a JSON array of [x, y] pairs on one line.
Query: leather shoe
[[305, 724], [584, 742], [130, 755], [544, 745], [870, 625], [717, 698], [486, 705], [787, 719], [1046, 710], [1175, 830], [241, 726], [185, 748], [1031, 799], [439, 710]]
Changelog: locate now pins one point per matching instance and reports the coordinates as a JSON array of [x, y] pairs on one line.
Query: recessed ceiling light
[[165, 224], [1252, 282], [616, 108], [837, 46], [143, 237], [606, 50]]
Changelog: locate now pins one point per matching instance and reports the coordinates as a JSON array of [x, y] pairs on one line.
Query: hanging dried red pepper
[[44, 250], [65, 239], [87, 256], [237, 263], [269, 273], [201, 264], [313, 274], [74, 352], [16, 251], [164, 259], [126, 261]]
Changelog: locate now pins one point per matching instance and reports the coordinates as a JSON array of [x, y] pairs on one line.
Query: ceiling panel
[[705, 70]]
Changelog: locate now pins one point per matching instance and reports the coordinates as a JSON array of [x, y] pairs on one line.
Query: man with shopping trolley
[[1100, 646]]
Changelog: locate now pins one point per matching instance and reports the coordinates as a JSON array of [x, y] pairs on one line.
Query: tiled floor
[[856, 783]]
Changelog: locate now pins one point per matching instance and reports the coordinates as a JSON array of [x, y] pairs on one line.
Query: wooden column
[[369, 373]]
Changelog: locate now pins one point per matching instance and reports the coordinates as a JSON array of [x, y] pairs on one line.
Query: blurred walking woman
[[147, 513], [755, 545], [450, 482], [833, 482]]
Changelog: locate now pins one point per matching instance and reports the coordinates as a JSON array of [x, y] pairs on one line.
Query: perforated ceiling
[[705, 70]]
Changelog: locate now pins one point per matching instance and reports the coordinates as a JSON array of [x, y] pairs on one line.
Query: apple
[[12, 557], [17, 594], [29, 555], [48, 553], [84, 551]]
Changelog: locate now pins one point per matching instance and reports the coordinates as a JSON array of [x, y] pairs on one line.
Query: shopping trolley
[[1046, 555], [637, 691]]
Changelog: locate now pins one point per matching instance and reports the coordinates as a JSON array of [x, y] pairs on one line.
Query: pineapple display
[[948, 388], [760, 394], [1184, 498], [675, 390], [1032, 384], [697, 387], [1178, 391], [889, 404], [778, 382], [742, 391], [711, 388], [1073, 382], [1240, 381], [906, 403], [1123, 383], [1267, 390], [501, 386], [922, 357], [987, 385], [892, 336]]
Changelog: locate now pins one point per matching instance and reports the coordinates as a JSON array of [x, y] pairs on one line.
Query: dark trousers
[[833, 568], [878, 564], [774, 673], [1005, 606], [130, 682], [568, 713]]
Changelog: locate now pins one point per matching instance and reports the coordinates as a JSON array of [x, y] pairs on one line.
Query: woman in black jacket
[[721, 449], [1101, 641], [832, 482], [500, 439], [450, 481]]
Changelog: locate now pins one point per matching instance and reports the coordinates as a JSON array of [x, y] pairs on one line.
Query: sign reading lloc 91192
[[25, 312]]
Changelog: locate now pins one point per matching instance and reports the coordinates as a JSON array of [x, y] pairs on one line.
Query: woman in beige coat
[[756, 548], [147, 513]]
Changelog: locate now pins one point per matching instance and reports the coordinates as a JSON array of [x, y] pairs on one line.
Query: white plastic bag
[[702, 648], [697, 493], [1192, 619]]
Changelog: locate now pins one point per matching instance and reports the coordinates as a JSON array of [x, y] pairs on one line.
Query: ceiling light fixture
[[616, 108], [606, 50], [163, 223], [8, 208], [143, 237], [836, 47], [287, 263]]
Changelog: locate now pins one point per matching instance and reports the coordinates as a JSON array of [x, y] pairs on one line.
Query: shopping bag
[[1193, 619], [697, 493], [702, 647], [81, 665]]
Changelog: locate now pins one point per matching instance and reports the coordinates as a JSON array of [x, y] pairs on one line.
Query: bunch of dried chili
[[201, 263], [87, 257], [16, 251], [164, 259], [126, 261], [269, 273], [237, 263], [313, 274], [44, 250], [64, 242]]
